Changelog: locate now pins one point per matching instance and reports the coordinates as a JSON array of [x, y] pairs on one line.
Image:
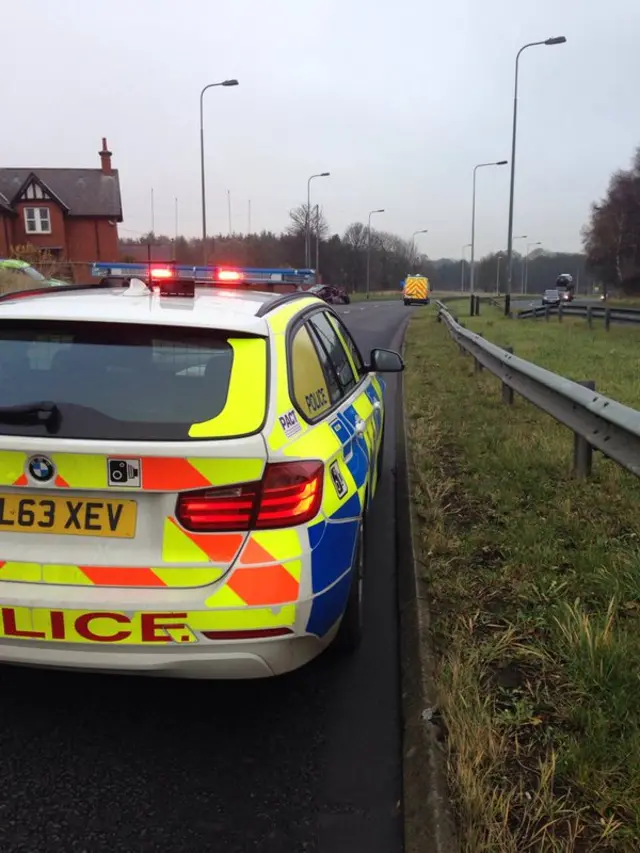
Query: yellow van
[[416, 290]]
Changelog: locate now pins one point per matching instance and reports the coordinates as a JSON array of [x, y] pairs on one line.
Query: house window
[[37, 220]]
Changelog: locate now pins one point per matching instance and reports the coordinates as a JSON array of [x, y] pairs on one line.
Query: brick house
[[71, 213]]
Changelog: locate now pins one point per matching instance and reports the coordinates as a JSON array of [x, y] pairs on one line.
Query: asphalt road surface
[[308, 762]]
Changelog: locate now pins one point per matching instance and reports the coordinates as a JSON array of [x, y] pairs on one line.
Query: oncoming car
[[185, 474], [551, 297]]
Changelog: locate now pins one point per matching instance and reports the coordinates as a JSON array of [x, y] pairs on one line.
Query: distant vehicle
[[332, 295], [551, 297], [565, 287], [23, 268], [416, 290]]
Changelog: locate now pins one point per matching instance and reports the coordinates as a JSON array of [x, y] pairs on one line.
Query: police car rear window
[[119, 381]]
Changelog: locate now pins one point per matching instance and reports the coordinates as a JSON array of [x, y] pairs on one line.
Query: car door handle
[[377, 405], [360, 427]]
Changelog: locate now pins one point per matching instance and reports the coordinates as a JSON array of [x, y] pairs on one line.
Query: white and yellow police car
[[185, 473]]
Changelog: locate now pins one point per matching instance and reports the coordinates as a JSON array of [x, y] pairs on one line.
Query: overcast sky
[[398, 100]]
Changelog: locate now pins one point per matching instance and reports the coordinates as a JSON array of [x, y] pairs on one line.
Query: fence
[[597, 422], [589, 312]]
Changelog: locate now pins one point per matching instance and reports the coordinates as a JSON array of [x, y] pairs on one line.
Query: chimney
[[105, 158]]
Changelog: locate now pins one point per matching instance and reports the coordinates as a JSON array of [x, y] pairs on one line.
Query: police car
[[187, 459]]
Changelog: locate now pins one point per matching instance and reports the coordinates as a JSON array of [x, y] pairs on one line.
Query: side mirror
[[385, 361]]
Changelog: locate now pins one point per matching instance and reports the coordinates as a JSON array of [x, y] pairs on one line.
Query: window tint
[[351, 345], [311, 392], [116, 380], [336, 353]]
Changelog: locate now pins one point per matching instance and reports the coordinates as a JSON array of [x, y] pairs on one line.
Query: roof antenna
[[137, 287]]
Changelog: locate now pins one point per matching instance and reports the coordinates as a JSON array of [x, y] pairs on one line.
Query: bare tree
[[300, 217]]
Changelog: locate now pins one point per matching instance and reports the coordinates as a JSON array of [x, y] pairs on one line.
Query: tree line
[[612, 235], [342, 258]]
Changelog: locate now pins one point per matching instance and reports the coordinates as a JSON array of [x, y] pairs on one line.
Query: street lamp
[[413, 242], [473, 219], [369, 248], [548, 42], [466, 246], [525, 268], [307, 236], [204, 200]]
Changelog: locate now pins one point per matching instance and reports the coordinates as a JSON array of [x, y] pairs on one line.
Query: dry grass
[[534, 584]]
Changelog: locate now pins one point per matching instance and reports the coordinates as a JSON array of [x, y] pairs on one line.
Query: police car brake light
[[289, 493]]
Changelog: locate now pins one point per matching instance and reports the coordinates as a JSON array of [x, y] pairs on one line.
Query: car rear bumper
[[228, 660]]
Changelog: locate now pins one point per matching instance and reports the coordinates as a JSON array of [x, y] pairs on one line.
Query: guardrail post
[[472, 304], [547, 312], [590, 316], [607, 318], [477, 367], [582, 450], [507, 391], [439, 317], [477, 306], [560, 313]]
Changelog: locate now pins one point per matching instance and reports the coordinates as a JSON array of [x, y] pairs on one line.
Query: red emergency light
[[162, 273], [169, 281], [228, 275]]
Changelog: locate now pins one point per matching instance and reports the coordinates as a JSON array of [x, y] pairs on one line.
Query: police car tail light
[[289, 493], [219, 509]]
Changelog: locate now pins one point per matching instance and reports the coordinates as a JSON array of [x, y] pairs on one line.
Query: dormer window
[[37, 220]]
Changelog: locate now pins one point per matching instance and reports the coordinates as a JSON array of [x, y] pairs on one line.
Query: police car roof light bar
[[204, 274]]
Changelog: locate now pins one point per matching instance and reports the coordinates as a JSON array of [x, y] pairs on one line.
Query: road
[[309, 762]]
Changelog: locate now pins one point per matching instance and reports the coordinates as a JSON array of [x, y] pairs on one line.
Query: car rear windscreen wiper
[[32, 414]]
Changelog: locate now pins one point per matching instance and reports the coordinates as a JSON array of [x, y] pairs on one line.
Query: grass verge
[[570, 348], [533, 580]]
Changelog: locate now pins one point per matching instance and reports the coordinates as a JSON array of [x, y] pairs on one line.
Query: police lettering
[[98, 627], [317, 400]]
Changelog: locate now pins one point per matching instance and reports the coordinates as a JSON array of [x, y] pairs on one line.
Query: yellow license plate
[[67, 516]]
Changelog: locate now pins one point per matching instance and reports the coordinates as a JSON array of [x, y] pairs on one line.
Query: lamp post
[[466, 246], [473, 220], [307, 240], [525, 269], [317, 210], [548, 42], [204, 199], [369, 249], [413, 242]]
